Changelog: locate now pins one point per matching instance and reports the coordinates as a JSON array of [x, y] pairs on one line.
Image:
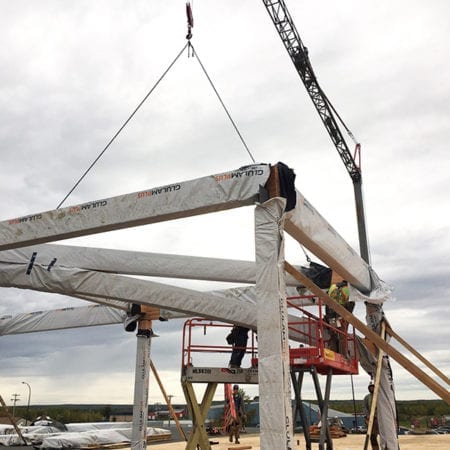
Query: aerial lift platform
[[314, 355]]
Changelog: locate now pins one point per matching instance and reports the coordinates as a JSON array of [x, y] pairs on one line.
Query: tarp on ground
[[86, 436], [32, 435]]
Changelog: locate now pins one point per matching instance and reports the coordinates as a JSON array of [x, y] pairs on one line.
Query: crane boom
[[298, 53]]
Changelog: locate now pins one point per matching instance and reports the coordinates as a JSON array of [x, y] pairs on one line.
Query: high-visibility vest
[[340, 294]]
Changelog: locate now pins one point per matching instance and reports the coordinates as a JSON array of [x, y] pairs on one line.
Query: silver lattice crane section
[[298, 53]]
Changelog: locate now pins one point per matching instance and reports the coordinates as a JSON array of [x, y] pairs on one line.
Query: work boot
[[237, 441]]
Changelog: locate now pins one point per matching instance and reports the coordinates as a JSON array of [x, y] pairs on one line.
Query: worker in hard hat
[[367, 405], [238, 420], [341, 294]]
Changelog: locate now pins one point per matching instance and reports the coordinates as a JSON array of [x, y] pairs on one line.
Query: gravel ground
[[351, 442]]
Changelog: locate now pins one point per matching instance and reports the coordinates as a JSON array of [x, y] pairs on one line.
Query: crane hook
[[190, 20]]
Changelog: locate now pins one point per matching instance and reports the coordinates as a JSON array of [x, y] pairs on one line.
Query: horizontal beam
[[203, 195], [138, 263]]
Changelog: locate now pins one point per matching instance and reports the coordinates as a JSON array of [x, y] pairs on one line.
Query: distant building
[[312, 415], [165, 414]]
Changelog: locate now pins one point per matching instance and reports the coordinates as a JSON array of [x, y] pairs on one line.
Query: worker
[[238, 338], [340, 293], [367, 405], [238, 420]]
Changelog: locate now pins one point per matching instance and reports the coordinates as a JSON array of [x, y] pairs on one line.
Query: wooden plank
[[418, 355], [11, 419], [371, 335], [373, 406], [273, 183], [166, 397]]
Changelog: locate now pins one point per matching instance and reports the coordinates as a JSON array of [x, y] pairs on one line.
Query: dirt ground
[[351, 442]]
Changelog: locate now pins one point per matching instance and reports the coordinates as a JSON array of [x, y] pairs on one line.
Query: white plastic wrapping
[[74, 317], [140, 402], [308, 227], [386, 410], [95, 438], [203, 195], [31, 434], [380, 293], [97, 284], [77, 435], [273, 343], [137, 263], [60, 319]]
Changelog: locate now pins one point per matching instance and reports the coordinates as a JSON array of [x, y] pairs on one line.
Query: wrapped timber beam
[[273, 329], [138, 263], [61, 319], [70, 281], [308, 227], [200, 196], [304, 223], [228, 303]]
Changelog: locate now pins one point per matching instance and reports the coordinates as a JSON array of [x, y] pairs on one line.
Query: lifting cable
[[190, 47], [357, 153], [123, 126], [308, 259], [194, 53]]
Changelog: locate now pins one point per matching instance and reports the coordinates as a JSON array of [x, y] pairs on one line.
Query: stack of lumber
[[335, 432]]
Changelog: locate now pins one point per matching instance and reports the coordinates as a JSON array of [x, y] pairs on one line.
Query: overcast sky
[[71, 74]]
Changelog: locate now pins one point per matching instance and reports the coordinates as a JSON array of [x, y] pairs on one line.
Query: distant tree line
[[66, 413], [423, 410]]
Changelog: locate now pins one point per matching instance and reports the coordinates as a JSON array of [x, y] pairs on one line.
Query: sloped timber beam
[[304, 223], [61, 319], [116, 287], [228, 305], [371, 335], [307, 226], [203, 195]]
